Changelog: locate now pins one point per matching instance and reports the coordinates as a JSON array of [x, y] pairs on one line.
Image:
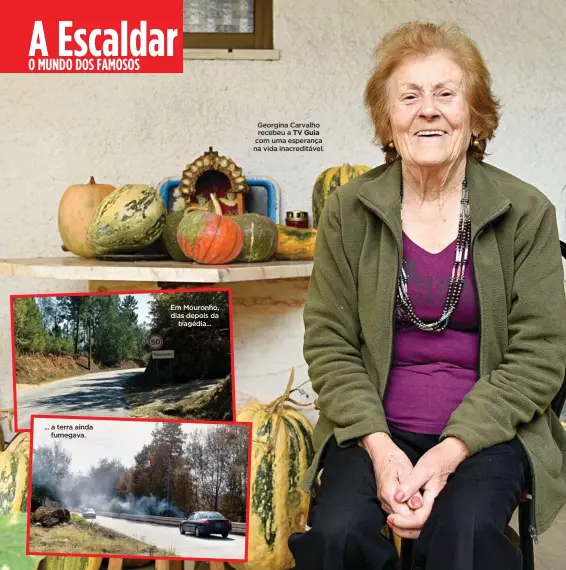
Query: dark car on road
[[89, 514], [205, 523]]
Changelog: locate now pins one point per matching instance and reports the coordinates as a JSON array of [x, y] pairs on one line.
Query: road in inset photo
[[169, 538], [139, 488], [96, 394]]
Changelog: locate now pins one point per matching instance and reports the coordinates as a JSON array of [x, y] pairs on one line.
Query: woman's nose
[[428, 108]]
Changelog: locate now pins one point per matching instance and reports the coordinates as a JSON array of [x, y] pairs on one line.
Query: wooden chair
[[405, 547]]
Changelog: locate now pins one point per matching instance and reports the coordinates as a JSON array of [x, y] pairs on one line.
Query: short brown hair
[[425, 38]]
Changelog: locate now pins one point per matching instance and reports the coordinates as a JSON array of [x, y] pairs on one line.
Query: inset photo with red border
[[138, 488], [149, 354]]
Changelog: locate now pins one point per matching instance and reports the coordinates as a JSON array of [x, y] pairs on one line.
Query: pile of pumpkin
[[98, 219]]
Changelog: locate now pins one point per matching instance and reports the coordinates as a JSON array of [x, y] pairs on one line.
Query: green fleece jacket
[[349, 321]]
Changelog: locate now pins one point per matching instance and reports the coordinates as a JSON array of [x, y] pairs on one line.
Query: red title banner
[[103, 36]]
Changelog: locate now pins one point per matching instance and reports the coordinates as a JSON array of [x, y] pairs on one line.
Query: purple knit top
[[431, 372]]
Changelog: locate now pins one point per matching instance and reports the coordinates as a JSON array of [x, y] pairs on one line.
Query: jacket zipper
[[312, 491], [391, 341]]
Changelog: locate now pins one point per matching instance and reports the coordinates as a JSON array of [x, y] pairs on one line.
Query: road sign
[[155, 341], [162, 354]]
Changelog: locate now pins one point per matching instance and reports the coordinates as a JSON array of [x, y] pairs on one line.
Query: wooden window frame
[[261, 38]]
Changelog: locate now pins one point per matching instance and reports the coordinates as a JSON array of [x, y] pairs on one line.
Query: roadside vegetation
[[61, 337], [204, 400]]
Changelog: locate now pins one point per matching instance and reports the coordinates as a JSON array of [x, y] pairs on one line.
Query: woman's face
[[430, 117]]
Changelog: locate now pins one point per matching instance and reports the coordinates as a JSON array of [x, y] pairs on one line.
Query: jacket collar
[[382, 196]]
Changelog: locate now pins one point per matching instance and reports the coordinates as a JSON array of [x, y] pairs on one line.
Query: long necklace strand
[[456, 283]]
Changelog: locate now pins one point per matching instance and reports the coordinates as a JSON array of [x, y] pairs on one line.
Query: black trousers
[[465, 530]]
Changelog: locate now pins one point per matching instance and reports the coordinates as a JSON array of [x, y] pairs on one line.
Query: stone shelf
[[155, 271]]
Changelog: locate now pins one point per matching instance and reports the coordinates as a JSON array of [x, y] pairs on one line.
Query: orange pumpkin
[[77, 208], [209, 237]]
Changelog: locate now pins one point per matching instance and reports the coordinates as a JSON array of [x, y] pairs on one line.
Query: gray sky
[[112, 439]]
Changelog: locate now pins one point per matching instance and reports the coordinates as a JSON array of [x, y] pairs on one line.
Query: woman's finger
[[400, 508], [413, 483], [418, 517], [416, 501], [387, 496]]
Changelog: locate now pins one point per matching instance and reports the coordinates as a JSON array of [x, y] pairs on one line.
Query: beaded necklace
[[463, 242]]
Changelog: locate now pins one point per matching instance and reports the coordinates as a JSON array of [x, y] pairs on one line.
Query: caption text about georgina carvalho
[[288, 137]]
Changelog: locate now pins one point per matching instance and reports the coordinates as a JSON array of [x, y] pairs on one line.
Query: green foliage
[[28, 329], [117, 334], [13, 544], [58, 345], [75, 324], [40, 494], [108, 338]]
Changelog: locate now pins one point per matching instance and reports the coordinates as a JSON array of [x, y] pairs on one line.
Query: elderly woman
[[435, 331]]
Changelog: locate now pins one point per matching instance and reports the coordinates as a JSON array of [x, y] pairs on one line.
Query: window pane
[[219, 16]]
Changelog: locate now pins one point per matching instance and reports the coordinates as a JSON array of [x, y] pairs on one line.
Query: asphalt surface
[[169, 538], [97, 394]]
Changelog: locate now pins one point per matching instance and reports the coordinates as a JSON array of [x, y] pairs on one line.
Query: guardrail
[[237, 527]]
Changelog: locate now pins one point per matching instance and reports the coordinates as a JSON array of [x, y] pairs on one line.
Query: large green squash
[[327, 181], [260, 237], [130, 218], [169, 236]]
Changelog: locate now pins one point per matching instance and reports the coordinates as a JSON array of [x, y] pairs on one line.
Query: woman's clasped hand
[[407, 492]]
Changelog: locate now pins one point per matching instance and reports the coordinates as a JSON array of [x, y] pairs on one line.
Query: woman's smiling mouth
[[430, 133]]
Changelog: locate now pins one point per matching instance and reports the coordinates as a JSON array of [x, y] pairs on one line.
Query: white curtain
[[219, 16]]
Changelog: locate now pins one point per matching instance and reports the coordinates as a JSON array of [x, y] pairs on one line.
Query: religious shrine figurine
[[230, 204], [203, 203]]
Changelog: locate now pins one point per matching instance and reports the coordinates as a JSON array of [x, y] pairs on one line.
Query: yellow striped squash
[[330, 179], [281, 453], [70, 563]]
